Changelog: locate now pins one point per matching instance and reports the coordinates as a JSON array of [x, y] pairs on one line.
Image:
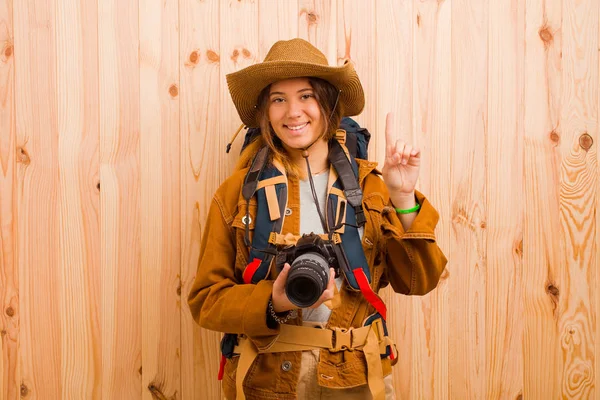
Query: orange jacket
[[219, 300]]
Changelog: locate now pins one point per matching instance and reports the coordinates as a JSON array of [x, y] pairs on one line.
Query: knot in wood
[[552, 290], [212, 56], [22, 156], [586, 141], [546, 35]]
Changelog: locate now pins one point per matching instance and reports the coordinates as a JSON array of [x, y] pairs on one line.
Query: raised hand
[[402, 165]]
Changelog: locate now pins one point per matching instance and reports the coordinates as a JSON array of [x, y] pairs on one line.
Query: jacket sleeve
[[217, 300], [414, 260]]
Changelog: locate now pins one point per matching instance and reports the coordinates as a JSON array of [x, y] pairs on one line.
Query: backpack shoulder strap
[[251, 182], [349, 179]]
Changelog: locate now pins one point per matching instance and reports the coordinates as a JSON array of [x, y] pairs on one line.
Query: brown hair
[[331, 110]]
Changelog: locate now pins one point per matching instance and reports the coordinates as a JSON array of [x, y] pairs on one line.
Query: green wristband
[[408, 210]]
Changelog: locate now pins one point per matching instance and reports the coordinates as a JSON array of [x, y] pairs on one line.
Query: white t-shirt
[[311, 222]]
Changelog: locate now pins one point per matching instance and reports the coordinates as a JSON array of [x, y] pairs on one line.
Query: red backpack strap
[[370, 295], [250, 270]]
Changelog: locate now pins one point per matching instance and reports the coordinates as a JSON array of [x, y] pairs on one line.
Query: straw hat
[[293, 59]]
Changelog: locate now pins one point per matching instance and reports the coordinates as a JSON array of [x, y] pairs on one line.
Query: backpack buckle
[[342, 340], [340, 136]]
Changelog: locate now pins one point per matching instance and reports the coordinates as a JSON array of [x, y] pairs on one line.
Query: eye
[[277, 100], [307, 96]]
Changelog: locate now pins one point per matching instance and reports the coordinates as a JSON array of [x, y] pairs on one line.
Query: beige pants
[[309, 389]]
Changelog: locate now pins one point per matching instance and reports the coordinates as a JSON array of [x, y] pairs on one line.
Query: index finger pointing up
[[389, 138]]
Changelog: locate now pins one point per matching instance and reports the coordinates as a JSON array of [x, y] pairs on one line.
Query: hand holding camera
[[282, 303], [307, 276]]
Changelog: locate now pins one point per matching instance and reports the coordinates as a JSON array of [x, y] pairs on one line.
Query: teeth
[[296, 128]]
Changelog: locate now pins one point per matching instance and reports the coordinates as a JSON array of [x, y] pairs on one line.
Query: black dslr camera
[[310, 260]]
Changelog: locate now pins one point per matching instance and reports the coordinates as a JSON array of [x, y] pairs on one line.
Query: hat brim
[[245, 85]]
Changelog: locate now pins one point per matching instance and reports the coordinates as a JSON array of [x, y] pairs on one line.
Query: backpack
[[357, 142]]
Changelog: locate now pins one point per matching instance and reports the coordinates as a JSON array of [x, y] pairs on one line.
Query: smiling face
[[295, 114]]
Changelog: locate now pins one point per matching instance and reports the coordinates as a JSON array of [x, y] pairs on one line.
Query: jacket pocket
[[373, 206], [231, 368], [373, 237]]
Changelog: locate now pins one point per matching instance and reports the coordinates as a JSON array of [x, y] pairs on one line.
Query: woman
[[337, 345]]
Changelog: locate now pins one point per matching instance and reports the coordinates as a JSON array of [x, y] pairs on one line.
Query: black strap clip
[[228, 344]]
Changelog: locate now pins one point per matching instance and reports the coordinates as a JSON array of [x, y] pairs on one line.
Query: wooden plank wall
[[114, 117]]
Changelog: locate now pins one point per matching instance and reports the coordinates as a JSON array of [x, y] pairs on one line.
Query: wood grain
[[201, 83], [78, 198], [394, 29], [239, 49], [38, 196], [579, 116], [468, 256], [432, 121], [106, 177], [119, 186], [541, 254], [355, 43], [318, 24], [504, 184], [9, 274], [596, 256], [277, 20], [395, 94], [160, 199]]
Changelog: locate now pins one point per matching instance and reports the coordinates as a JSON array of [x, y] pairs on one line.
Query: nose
[[294, 109]]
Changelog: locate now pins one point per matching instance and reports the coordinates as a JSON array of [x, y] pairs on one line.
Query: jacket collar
[[365, 167]]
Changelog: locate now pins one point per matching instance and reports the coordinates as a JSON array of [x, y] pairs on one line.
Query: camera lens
[[307, 279]]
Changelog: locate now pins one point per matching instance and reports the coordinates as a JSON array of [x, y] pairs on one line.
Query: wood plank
[[200, 145], [37, 188], [317, 24], [119, 184], [541, 252], [394, 32], [160, 198], [239, 49], [356, 43], [596, 260], [578, 118], [277, 20], [9, 274], [504, 185], [432, 65], [467, 257], [78, 199]]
